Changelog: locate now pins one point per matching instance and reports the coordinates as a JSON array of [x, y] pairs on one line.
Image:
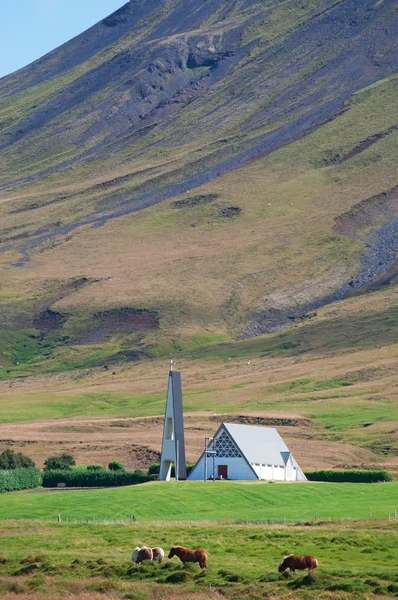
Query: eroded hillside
[[178, 175]]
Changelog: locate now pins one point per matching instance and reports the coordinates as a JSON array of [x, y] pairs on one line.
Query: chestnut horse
[[186, 555], [298, 563]]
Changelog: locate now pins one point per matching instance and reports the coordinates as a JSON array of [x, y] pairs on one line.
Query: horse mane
[[285, 557]]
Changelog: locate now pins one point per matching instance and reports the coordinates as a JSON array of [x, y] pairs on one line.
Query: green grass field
[[44, 558], [199, 501]]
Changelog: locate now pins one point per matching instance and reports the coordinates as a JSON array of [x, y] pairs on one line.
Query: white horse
[[145, 553]]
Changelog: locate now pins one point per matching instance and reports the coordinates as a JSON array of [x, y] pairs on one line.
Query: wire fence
[[133, 520]]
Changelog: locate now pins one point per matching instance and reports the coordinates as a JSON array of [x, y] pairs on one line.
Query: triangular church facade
[[247, 452]]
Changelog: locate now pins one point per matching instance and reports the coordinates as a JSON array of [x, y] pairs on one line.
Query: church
[[247, 452]]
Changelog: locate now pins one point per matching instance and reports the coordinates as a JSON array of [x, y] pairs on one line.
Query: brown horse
[[298, 563], [186, 555]]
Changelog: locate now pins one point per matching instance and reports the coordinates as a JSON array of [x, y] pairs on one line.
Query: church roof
[[256, 445], [261, 445]]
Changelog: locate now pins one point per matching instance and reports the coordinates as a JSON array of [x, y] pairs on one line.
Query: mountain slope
[[179, 175]]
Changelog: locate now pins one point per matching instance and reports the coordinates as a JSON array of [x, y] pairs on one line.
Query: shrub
[[154, 469], [20, 479], [139, 472], [80, 478], [95, 468], [115, 465], [353, 476], [11, 460], [61, 461]]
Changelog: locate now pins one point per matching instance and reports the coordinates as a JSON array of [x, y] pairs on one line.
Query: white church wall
[[269, 472], [238, 469], [263, 471], [279, 473]]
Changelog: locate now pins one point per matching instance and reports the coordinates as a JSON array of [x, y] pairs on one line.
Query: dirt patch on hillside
[[118, 320], [48, 320], [262, 421], [367, 213], [134, 318], [45, 319]]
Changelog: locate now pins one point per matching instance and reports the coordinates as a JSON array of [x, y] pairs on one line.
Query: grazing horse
[[186, 555], [140, 554], [158, 554], [298, 563]]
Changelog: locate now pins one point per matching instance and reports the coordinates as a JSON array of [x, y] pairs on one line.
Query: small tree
[[15, 460], [115, 465], [61, 461]]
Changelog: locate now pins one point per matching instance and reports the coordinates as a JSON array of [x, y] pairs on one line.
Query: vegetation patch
[[87, 477], [355, 476], [20, 479], [229, 212], [195, 201]]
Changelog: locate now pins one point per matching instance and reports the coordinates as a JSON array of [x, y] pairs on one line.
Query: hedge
[[87, 478], [20, 479], [154, 469], [353, 476]]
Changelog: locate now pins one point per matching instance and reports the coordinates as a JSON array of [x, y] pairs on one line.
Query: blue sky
[[31, 28]]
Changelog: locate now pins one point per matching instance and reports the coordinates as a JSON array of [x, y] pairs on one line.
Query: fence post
[[59, 519]]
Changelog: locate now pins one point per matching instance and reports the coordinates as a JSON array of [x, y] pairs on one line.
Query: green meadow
[[211, 501], [43, 558]]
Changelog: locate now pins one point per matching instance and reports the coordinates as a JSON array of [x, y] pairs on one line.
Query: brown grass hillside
[[219, 185]]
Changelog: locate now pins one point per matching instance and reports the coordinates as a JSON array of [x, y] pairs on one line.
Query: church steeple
[[173, 445]]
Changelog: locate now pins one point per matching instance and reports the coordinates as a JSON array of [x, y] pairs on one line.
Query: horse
[[145, 553], [298, 563], [158, 555], [140, 554], [186, 555]]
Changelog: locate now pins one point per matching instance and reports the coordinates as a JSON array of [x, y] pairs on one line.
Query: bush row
[[20, 479], [81, 478], [354, 476], [154, 469]]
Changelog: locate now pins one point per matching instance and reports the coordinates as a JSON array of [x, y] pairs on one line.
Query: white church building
[[247, 452]]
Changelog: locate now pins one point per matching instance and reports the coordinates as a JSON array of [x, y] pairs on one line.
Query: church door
[[222, 471]]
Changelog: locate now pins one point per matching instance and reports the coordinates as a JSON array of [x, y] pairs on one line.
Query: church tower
[[173, 446]]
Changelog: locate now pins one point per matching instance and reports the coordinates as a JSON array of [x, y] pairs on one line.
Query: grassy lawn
[[200, 501], [243, 561]]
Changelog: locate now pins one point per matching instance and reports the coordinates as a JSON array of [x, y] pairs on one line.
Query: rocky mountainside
[[186, 171]]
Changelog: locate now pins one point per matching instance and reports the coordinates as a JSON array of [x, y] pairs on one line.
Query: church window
[[225, 447]]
